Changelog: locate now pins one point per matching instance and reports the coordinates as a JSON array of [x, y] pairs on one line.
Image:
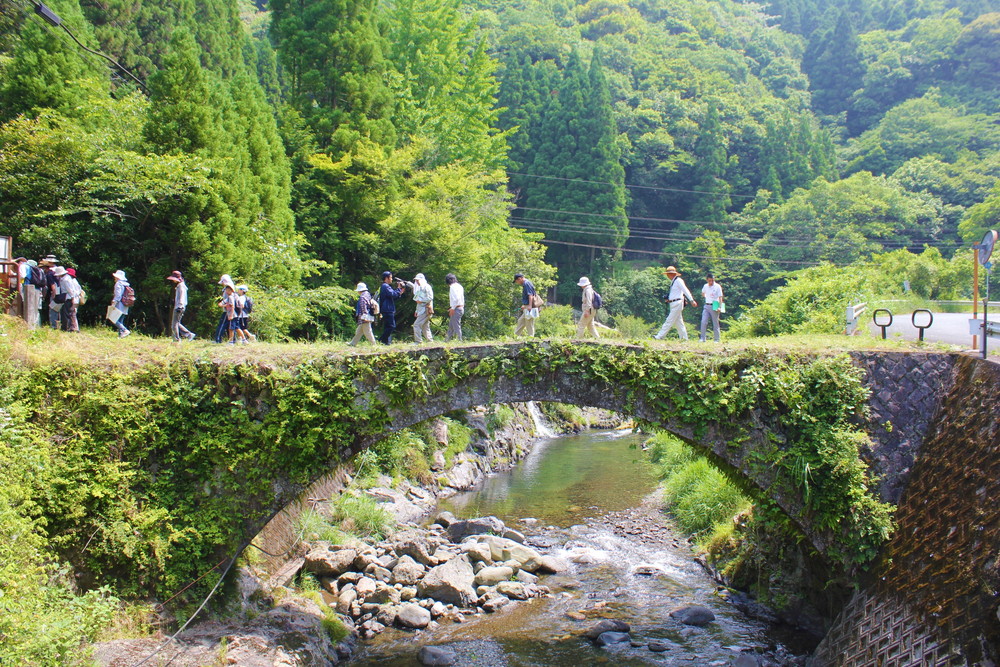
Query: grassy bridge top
[[173, 455]]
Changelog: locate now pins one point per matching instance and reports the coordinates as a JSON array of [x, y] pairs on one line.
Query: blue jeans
[[222, 328]]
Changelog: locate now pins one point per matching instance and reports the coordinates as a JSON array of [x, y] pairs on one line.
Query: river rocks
[[413, 616], [365, 587], [346, 600], [417, 546], [450, 582], [437, 656], [693, 615], [478, 552], [610, 637], [463, 476], [407, 571], [746, 661], [329, 561], [445, 519], [606, 625], [384, 595], [515, 590], [459, 530], [491, 576], [657, 646]]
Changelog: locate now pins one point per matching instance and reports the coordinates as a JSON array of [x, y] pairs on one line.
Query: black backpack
[[37, 277], [597, 302], [248, 306]]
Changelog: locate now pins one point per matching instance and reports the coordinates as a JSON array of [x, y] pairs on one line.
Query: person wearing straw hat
[[679, 293], [116, 301], [588, 311], [364, 315], [49, 264], [177, 330]]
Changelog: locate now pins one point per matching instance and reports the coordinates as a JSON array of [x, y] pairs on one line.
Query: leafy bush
[[555, 322], [459, 439], [313, 526], [632, 327]]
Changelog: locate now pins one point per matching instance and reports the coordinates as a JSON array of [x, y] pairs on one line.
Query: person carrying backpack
[[244, 306], [178, 330], [589, 309], [123, 299], [364, 315], [65, 297], [32, 293]]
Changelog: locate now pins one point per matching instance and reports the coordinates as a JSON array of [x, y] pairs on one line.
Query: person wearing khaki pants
[[363, 315]]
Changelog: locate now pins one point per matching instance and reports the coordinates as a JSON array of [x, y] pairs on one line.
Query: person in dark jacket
[[387, 295]]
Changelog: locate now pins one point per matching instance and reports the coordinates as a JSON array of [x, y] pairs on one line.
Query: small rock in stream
[[606, 625], [438, 656], [609, 638], [693, 615]]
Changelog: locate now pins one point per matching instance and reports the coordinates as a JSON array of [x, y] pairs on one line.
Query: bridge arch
[[759, 416]]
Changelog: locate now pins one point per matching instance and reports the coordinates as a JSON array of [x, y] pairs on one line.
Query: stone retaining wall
[[934, 599]]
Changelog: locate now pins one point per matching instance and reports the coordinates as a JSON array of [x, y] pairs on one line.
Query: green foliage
[[555, 322], [459, 439], [564, 416], [499, 416], [313, 526], [700, 498], [814, 300], [361, 516]]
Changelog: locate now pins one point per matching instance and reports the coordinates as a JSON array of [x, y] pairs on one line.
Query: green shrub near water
[[698, 495]]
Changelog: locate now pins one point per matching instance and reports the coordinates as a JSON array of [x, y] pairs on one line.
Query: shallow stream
[[588, 498]]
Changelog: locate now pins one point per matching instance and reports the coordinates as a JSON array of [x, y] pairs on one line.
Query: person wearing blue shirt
[[387, 295], [529, 310]]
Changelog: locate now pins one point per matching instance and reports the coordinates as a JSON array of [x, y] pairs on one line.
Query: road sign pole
[[975, 289], [985, 249], [986, 305]]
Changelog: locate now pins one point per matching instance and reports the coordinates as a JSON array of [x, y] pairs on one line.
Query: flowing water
[[570, 493]]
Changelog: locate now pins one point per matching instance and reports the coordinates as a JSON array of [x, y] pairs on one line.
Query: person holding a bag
[[530, 303], [123, 297], [679, 293], [364, 315]]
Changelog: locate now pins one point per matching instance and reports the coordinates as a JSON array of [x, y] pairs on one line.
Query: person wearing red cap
[[180, 305]]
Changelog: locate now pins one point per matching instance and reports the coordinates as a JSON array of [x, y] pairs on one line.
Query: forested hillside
[[306, 146]]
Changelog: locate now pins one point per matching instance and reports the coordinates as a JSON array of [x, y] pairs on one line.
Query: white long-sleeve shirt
[[456, 296], [678, 291]]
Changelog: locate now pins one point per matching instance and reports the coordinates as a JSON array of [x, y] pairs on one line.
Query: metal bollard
[[919, 327], [878, 324]]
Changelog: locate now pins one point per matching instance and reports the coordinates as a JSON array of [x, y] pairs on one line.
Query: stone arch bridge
[[927, 424]]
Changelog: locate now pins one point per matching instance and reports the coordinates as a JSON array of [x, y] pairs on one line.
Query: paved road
[[951, 328]]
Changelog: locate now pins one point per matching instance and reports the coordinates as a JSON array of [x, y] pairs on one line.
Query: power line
[[680, 254], [639, 187], [673, 235], [53, 19]]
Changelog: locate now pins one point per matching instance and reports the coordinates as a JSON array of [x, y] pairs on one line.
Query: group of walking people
[[368, 308], [47, 292]]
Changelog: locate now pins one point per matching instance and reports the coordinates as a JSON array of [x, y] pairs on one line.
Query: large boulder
[[503, 549], [491, 576], [464, 476], [417, 546], [694, 614], [459, 530], [329, 561], [414, 616], [478, 552], [450, 582], [407, 572]]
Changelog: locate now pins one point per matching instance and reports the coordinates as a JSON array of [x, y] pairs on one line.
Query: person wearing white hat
[[244, 306], [679, 292], [122, 290], [364, 315], [586, 322], [423, 294], [223, 326]]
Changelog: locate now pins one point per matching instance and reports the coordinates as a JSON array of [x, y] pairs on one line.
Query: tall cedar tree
[[712, 199], [332, 56], [576, 187]]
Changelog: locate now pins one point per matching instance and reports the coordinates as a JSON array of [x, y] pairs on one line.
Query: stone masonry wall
[[934, 599]]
